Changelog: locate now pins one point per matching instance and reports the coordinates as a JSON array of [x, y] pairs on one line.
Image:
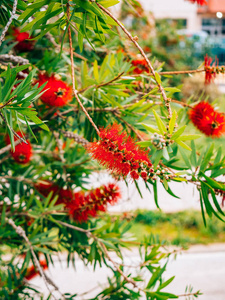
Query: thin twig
[[116, 266], [72, 74], [181, 72], [16, 134], [86, 231], [8, 147], [9, 22], [19, 230], [77, 138], [50, 37], [15, 59], [134, 40], [129, 126], [10, 100], [101, 84]]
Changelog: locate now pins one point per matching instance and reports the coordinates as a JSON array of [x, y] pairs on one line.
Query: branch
[[116, 266], [101, 84], [10, 100], [75, 137], [15, 59], [9, 22], [19, 230], [73, 77], [19, 137], [8, 147], [134, 40]]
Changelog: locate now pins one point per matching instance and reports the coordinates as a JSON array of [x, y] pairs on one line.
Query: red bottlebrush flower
[[24, 41], [87, 205], [199, 2], [207, 120], [141, 66], [58, 93], [32, 271], [210, 71], [45, 187], [119, 153], [23, 152]]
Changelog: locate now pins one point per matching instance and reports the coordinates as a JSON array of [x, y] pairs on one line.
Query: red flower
[[119, 153], [199, 2], [45, 187], [32, 271], [83, 206], [24, 41], [23, 152], [57, 93], [210, 71], [141, 66], [207, 120]]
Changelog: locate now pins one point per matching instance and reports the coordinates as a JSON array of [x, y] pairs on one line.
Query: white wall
[[174, 9]]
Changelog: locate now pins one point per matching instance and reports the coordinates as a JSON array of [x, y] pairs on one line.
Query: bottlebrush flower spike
[[24, 40], [141, 66], [23, 152], [58, 93], [84, 206], [45, 187], [119, 153], [32, 271], [207, 120], [210, 71]]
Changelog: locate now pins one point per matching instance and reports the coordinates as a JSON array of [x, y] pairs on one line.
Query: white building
[[210, 17]]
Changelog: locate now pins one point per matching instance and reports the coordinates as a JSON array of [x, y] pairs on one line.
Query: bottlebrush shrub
[[57, 92], [24, 40], [119, 153], [207, 120], [80, 205], [23, 152]]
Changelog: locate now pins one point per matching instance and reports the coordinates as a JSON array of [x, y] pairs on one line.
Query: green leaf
[[178, 133], [157, 78], [166, 283], [189, 137], [155, 190], [95, 70], [182, 144], [185, 158], [150, 128], [160, 124], [144, 143], [172, 89], [206, 159]]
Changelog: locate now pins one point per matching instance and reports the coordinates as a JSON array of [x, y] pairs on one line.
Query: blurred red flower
[[140, 65], [210, 71], [199, 2], [24, 40], [32, 271], [207, 120], [23, 152]]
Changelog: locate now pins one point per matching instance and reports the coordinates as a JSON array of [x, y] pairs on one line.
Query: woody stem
[[73, 77]]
